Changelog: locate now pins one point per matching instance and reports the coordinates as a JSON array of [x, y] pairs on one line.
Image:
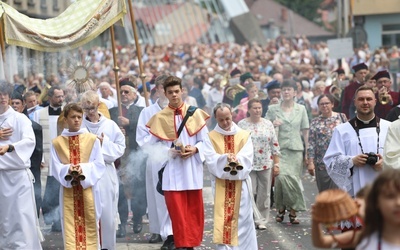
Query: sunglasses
[[124, 92]]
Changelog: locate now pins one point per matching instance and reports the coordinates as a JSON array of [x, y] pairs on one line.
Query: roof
[[266, 10], [151, 15]]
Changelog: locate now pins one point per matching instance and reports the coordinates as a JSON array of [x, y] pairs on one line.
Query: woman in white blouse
[[266, 157]]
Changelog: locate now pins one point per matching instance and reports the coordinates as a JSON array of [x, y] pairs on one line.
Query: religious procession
[[208, 124]]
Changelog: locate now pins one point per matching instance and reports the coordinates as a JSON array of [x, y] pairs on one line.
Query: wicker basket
[[333, 205]]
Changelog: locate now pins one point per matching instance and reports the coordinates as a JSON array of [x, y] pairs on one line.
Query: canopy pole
[[2, 40], [142, 75], [115, 69]]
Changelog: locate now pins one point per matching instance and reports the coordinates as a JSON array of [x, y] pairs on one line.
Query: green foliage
[[305, 8]]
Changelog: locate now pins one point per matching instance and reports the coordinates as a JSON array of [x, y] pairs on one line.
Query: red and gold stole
[[227, 192], [80, 230]]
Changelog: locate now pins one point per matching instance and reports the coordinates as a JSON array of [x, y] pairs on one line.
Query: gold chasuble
[[80, 229], [227, 192]]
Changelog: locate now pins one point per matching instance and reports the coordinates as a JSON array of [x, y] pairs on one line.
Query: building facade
[[380, 20]]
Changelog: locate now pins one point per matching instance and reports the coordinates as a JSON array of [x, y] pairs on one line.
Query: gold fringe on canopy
[[81, 22]]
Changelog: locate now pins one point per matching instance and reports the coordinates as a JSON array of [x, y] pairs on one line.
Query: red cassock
[[348, 96]]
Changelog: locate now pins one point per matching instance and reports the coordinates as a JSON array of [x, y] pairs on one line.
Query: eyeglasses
[[324, 103], [90, 109], [126, 92]]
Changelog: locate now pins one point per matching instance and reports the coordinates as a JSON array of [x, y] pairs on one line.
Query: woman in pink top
[[252, 92]]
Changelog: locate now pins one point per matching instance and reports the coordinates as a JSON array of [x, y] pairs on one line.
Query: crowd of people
[[271, 111]]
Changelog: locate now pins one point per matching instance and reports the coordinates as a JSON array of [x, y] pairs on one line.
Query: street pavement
[[276, 236]]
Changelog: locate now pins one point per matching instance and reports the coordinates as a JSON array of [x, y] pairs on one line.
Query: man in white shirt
[[31, 103]]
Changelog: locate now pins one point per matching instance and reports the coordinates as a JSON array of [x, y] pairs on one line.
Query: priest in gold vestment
[[78, 150], [234, 226]]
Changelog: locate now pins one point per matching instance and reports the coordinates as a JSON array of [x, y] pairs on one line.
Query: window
[[55, 5], [43, 4], [390, 34]]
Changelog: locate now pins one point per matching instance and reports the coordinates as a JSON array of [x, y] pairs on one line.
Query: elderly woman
[[266, 158], [321, 130], [292, 120]]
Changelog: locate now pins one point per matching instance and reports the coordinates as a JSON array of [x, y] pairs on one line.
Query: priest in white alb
[[354, 156], [159, 221], [391, 152], [234, 226], [75, 154], [113, 147]]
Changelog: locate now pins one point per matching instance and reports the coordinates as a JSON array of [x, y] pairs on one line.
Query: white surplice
[[159, 220], [344, 146], [183, 174], [391, 152], [92, 170], [215, 162], [19, 226], [113, 147], [49, 129]]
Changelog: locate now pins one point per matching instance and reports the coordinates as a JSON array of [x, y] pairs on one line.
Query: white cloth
[[19, 226], [112, 148], [183, 174], [314, 102], [159, 220], [371, 243], [214, 96], [141, 102], [344, 146], [215, 163], [32, 110], [391, 152], [49, 130], [191, 101], [110, 103], [92, 170]]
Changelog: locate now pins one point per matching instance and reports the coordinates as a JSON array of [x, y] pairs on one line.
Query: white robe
[[344, 146], [159, 220], [183, 174], [49, 128], [246, 230], [391, 152], [113, 147], [372, 242], [19, 226], [92, 170]]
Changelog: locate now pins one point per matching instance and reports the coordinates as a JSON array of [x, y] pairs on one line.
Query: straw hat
[[333, 205]]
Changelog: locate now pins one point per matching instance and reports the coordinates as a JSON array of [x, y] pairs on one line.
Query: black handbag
[[189, 112]]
